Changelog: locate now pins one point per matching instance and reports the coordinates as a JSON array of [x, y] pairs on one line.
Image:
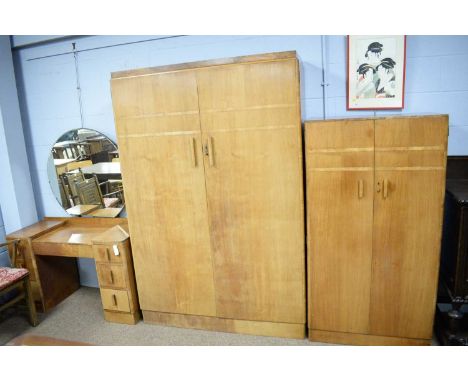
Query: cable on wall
[[78, 86], [102, 47], [324, 83]]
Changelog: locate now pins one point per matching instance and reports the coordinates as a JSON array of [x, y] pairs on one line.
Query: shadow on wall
[[27, 132], [4, 259]]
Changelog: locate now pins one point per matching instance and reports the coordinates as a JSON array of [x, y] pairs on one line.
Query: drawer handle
[[209, 151], [360, 189], [193, 151], [107, 254], [114, 300], [385, 189], [111, 277]]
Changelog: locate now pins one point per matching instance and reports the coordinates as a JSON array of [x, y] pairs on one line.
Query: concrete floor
[[80, 318]]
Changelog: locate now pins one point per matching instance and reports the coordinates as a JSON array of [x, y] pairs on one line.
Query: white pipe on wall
[[324, 83]]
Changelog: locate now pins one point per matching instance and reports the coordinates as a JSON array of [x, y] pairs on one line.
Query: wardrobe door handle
[[378, 187], [385, 189], [209, 146], [360, 189], [193, 151]]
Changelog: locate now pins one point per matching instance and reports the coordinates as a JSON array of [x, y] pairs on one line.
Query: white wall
[[16, 192], [436, 82]]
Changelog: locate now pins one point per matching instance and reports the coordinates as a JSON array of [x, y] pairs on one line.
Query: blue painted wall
[[4, 261], [16, 191], [436, 82]]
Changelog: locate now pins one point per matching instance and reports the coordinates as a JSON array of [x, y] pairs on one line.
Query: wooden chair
[[69, 181], [16, 279], [63, 194], [89, 192]]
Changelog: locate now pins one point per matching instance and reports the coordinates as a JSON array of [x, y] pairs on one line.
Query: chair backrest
[[13, 250], [89, 191], [64, 196], [70, 180]]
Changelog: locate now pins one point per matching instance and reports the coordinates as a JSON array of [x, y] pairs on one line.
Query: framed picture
[[376, 72]]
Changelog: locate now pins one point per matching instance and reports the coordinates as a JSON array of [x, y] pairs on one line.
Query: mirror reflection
[[84, 173]]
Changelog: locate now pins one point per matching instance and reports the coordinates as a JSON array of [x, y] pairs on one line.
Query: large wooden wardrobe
[[211, 157], [375, 192]]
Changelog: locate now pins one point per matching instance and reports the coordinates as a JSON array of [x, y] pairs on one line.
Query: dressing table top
[[81, 231]]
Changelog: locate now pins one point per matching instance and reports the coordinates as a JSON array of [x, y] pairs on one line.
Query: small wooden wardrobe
[[375, 192], [211, 156]]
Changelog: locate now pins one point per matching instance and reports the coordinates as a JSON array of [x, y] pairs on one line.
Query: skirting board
[[122, 317], [363, 339], [259, 328]]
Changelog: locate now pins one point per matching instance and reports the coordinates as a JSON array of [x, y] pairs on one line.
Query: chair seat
[[9, 276], [110, 202]]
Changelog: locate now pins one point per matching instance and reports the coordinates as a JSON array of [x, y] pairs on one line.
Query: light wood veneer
[[375, 191], [211, 157]]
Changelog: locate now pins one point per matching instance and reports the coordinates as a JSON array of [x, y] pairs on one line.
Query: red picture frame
[[354, 103]]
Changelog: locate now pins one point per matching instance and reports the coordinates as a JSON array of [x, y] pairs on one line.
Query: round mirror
[[84, 174]]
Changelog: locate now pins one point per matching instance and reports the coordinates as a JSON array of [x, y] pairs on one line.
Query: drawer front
[[111, 275], [105, 253], [63, 250], [113, 299]]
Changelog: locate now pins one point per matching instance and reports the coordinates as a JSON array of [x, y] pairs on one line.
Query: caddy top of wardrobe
[[378, 117], [275, 56]]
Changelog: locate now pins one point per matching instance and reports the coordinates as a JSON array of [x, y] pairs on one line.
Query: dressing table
[[49, 250]]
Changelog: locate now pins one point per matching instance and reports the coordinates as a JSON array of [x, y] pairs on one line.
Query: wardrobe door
[[162, 167], [410, 182], [340, 178], [250, 117]]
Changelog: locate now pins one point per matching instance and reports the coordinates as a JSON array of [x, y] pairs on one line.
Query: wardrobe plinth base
[[363, 339], [258, 328], [122, 317]]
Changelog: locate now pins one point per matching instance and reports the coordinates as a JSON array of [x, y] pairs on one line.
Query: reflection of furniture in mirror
[[108, 212], [76, 165], [100, 144], [104, 170], [114, 155], [89, 193], [63, 194], [69, 181], [49, 250], [70, 149], [83, 154], [82, 209], [101, 156], [62, 165]]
